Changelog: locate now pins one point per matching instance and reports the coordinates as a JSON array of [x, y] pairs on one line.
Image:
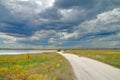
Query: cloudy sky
[[60, 23]]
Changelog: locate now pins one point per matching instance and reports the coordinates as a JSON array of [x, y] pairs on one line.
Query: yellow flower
[[17, 72], [4, 69], [37, 77], [54, 78], [57, 65]]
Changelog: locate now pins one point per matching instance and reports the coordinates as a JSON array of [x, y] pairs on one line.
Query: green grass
[[47, 66], [111, 57]]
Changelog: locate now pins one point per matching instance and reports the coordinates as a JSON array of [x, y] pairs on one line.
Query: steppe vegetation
[[111, 57], [46, 66]]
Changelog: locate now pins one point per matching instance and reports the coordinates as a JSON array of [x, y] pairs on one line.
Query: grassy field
[[48, 66], [111, 57]]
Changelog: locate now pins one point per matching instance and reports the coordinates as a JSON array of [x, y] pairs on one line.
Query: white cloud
[[52, 40], [55, 36], [60, 38], [69, 15], [41, 34], [11, 41], [55, 41], [7, 39], [107, 21], [66, 35], [27, 8]]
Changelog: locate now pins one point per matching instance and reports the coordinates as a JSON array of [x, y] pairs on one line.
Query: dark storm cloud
[[86, 4], [116, 3], [75, 3], [38, 22], [50, 13]]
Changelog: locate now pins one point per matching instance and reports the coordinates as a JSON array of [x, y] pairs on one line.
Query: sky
[[59, 23]]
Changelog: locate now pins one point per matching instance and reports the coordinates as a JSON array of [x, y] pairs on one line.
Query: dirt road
[[88, 69]]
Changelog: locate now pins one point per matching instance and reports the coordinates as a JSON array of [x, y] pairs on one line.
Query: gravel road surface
[[89, 69]]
